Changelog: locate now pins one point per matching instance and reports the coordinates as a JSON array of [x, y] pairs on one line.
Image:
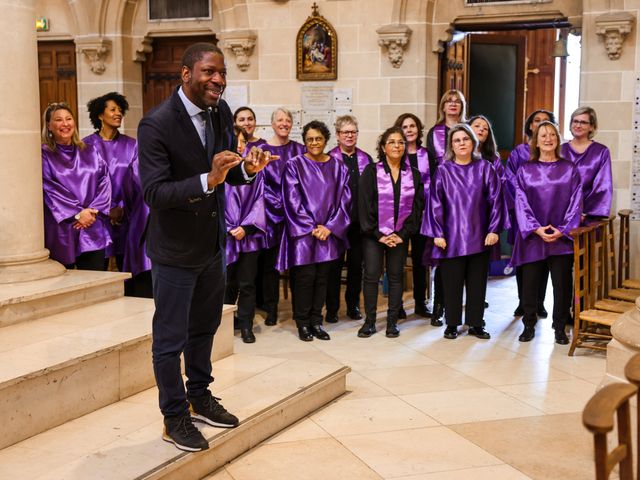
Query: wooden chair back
[[632, 372], [598, 417], [581, 238], [623, 255]]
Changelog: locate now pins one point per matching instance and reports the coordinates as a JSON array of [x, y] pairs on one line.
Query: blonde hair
[[47, 136], [343, 120], [443, 100], [533, 143], [283, 110], [593, 118]]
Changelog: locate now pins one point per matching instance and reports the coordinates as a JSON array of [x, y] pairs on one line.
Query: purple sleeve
[[102, 200], [572, 216], [435, 223], [496, 202], [338, 222], [59, 199], [299, 221], [527, 222], [510, 181], [598, 201]]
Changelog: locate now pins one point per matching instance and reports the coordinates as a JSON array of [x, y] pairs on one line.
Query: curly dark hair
[[400, 120], [97, 105], [529, 120], [382, 141], [317, 125]]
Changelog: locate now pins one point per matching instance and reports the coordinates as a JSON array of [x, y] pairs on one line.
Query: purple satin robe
[[363, 158], [466, 205], [137, 211], [273, 187], [439, 138], [314, 193], [257, 143], [119, 153], [496, 162], [72, 180], [245, 206], [547, 193], [518, 156], [594, 165]]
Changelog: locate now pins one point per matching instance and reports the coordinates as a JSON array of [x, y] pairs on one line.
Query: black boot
[[367, 329], [436, 316], [392, 329]]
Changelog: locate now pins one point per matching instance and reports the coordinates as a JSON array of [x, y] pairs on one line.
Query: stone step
[[66, 365], [75, 288], [123, 440]]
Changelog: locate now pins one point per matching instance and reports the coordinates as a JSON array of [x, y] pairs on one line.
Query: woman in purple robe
[[267, 283], [77, 193], [246, 227], [518, 157], [418, 159], [245, 119], [119, 151], [548, 205], [465, 216], [356, 160], [390, 205], [317, 208], [593, 161], [488, 150], [452, 110], [135, 256]]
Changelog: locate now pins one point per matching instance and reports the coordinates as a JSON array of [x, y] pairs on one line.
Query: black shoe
[[422, 310], [542, 312], [183, 434], [331, 318], [518, 312], [527, 334], [247, 335], [392, 329], [438, 311], [208, 409], [271, 320], [479, 332], [486, 304], [451, 332], [402, 314], [366, 330], [305, 334], [561, 337], [354, 313], [436, 322], [319, 332]]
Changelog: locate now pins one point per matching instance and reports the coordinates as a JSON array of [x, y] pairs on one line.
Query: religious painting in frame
[[316, 49]]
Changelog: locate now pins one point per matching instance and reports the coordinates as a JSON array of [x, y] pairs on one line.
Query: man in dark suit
[[187, 152]]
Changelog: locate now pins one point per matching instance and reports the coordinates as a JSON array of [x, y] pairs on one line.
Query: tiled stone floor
[[420, 407]]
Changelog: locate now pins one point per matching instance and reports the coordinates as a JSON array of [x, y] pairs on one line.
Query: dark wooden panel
[[57, 74]]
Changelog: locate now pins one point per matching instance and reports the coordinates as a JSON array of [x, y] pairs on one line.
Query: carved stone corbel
[[395, 38], [141, 48], [95, 51], [614, 28], [241, 43]]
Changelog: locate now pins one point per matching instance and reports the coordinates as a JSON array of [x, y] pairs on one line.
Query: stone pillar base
[[624, 345], [27, 272]]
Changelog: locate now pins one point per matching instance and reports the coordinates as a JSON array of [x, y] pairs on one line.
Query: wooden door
[[161, 70], [454, 65], [57, 74]]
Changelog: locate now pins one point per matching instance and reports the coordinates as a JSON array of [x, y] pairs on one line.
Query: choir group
[[315, 209]]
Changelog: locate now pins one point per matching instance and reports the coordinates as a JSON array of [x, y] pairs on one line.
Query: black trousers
[[438, 288], [375, 254], [188, 310], [354, 274], [310, 291], [139, 286], [542, 286], [241, 287], [561, 267], [418, 243], [459, 273], [89, 261], [270, 281]]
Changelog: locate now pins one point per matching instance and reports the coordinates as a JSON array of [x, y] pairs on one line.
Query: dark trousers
[[459, 273], [418, 243], [438, 288], [542, 286], [310, 290], [241, 286], [374, 254], [270, 281], [354, 274], [139, 286], [89, 261], [188, 310], [561, 267]]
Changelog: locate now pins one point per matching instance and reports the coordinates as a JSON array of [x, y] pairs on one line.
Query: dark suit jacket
[[184, 223]]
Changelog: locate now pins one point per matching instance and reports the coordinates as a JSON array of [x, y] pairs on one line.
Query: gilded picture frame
[[316, 50]]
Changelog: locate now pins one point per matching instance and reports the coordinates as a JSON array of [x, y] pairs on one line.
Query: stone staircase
[[77, 389]]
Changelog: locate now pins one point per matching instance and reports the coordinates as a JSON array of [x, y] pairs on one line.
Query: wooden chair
[[624, 258], [632, 372], [598, 418], [591, 325], [605, 274], [612, 287]]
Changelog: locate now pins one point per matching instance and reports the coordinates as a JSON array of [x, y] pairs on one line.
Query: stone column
[[625, 344], [22, 253]]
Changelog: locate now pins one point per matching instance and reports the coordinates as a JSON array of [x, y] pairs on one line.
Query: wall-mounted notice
[[324, 103]]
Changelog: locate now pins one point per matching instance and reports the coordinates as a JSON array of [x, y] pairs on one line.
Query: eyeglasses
[[311, 140], [453, 102], [582, 123], [348, 133], [399, 143]]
